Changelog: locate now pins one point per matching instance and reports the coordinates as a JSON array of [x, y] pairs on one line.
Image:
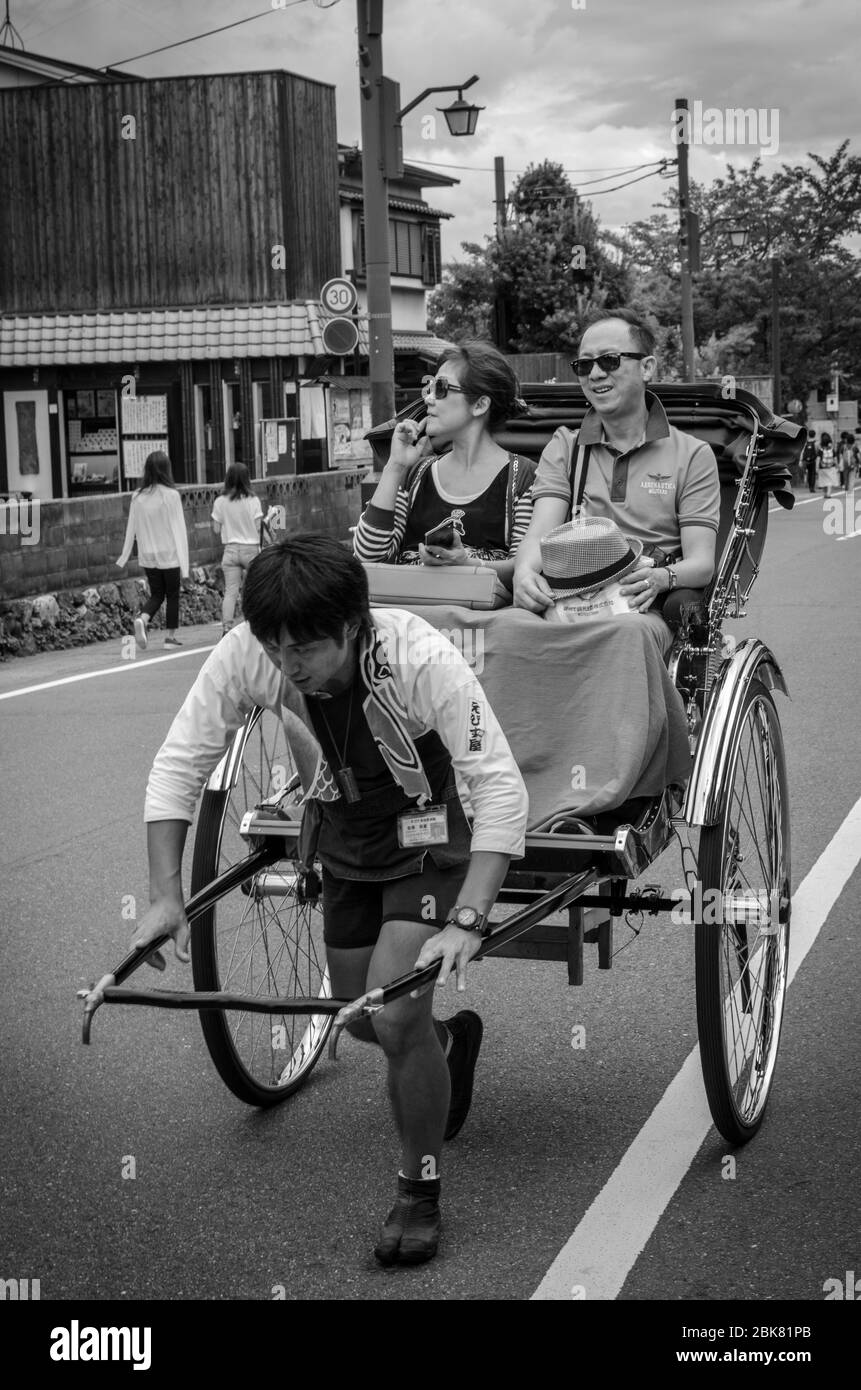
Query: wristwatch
[[673, 579], [470, 919]]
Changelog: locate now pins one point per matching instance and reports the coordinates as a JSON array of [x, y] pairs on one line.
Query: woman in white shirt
[[236, 518], [157, 523]]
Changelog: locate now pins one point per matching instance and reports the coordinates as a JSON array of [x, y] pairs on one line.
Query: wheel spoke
[[741, 959], [264, 942]]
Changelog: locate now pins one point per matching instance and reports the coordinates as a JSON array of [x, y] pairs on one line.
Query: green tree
[[462, 307], [552, 268], [800, 215]]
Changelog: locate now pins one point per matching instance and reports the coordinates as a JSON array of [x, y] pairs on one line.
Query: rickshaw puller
[[388, 726]]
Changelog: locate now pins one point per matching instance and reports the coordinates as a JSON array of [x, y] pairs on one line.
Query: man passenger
[[658, 484]]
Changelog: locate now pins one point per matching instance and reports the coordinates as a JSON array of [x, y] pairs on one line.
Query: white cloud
[[584, 87]]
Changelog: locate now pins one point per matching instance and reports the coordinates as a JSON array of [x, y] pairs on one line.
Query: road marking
[[614, 1231], [805, 502], [110, 671], [850, 536]]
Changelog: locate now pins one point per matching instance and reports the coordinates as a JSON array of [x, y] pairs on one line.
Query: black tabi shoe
[[466, 1030], [411, 1231]]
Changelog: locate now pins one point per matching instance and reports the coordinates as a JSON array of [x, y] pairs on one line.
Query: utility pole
[[499, 177], [376, 204], [775, 333], [500, 308], [685, 245]]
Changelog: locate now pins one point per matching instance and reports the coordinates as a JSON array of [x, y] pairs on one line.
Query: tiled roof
[[355, 195], [422, 344], [176, 335], [161, 335]]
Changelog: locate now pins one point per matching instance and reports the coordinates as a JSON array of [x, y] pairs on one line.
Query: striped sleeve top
[[379, 533]]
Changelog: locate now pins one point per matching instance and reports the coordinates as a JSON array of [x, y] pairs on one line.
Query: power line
[[222, 28], [482, 169]]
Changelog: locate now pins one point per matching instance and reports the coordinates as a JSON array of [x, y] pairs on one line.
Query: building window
[[431, 267], [413, 249]]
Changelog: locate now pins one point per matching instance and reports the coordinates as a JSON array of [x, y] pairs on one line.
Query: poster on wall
[[135, 454], [86, 405], [144, 415], [28, 448], [350, 411], [106, 405]]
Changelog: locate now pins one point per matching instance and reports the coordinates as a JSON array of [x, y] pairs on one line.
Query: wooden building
[[164, 246]]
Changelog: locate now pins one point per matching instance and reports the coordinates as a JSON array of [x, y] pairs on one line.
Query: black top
[[483, 519]]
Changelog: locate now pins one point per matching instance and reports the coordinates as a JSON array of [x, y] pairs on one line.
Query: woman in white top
[[157, 523], [236, 518]]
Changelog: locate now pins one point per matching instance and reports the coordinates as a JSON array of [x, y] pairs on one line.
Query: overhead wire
[[222, 28]]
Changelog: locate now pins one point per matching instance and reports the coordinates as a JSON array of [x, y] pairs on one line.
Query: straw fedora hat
[[586, 553]]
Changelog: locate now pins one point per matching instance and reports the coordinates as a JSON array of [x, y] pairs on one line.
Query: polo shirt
[[666, 481]]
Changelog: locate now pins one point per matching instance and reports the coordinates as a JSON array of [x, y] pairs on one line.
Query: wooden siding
[[222, 169]]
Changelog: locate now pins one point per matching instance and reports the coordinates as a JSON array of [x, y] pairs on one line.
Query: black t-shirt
[[330, 718], [483, 519]]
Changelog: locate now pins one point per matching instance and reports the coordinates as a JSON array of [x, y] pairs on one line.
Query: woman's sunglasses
[[440, 388], [607, 361]]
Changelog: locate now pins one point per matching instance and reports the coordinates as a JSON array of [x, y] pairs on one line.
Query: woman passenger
[[448, 468]]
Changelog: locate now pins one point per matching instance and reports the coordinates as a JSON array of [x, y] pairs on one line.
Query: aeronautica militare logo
[[658, 484]]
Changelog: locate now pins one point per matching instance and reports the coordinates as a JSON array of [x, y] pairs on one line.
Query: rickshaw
[[257, 954]]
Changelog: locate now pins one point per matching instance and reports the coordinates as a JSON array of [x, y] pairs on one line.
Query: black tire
[[741, 967], [259, 939]]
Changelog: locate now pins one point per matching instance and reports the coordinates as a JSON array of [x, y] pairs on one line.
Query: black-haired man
[[657, 483], [384, 716]]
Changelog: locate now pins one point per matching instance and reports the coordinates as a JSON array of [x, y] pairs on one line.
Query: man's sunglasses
[[440, 388], [607, 361]]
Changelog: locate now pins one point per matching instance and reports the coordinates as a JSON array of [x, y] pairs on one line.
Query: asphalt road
[[230, 1203]]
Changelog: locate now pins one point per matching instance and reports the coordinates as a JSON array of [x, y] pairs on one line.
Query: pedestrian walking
[[808, 460], [236, 517], [826, 465], [156, 522], [846, 458]]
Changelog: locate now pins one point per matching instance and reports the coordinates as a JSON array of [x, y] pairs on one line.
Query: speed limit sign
[[339, 296]]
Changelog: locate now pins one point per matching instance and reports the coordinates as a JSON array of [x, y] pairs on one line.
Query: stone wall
[[51, 546], [59, 584]]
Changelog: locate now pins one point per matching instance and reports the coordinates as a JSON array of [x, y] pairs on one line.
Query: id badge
[[425, 826]]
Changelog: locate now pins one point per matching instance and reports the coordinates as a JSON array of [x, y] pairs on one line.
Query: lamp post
[[775, 334], [382, 159]]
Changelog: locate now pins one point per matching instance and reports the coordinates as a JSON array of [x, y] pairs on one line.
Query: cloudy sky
[[588, 83]]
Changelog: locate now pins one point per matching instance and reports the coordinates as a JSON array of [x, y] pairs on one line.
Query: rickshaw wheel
[[742, 941], [260, 939]]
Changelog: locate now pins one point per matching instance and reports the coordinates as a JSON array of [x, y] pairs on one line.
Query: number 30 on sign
[[339, 296]]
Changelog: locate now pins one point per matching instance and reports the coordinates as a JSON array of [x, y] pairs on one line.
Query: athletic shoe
[[140, 632], [172, 642], [411, 1231], [466, 1030]]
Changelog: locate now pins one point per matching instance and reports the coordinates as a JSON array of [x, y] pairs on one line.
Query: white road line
[[616, 1228], [850, 536], [110, 671]]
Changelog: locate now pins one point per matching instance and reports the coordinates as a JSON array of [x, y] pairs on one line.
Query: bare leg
[[419, 1084]]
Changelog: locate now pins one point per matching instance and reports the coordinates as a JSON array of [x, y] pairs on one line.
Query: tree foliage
[[800, 216], [555, 265], [550, 269]]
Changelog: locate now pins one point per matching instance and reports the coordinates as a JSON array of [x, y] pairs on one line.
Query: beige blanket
[[589, 710]]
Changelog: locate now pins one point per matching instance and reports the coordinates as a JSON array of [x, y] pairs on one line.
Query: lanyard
[[344, 775]]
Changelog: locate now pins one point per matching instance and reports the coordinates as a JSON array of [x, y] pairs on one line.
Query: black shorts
[[354, 911]]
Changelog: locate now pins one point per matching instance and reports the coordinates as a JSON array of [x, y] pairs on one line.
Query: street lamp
[[461, 117], [382, 159], [739, 237]]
